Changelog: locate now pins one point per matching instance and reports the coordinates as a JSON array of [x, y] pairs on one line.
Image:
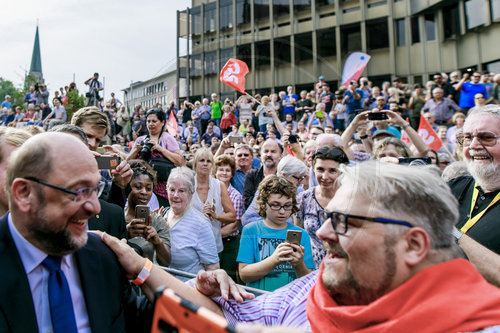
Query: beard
[[487, 176], [269, 163], [54, 242], [345, 289]]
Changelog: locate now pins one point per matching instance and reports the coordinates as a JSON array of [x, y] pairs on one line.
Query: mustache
[[337, 249]]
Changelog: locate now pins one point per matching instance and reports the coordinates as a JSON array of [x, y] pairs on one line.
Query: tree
[[8, 88], [75, 102]]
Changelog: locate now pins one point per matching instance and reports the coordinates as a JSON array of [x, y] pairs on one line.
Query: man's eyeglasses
[[275, 207], [484, 138], [80, 194], [340, 221]]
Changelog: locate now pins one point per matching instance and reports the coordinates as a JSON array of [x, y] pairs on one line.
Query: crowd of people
[[313, 198]]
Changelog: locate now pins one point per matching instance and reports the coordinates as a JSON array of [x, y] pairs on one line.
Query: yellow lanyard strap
[[476, 218]]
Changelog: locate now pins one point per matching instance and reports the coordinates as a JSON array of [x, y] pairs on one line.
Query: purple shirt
[[443, 110]]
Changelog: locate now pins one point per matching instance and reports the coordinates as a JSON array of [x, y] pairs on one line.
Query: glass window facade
[[415, 32], [400, 32], [210, 15], [430, 27], [242, 11], [350, 38], [303, 47], [301, 5], [196, 22], [211, 62], [325, 41], [377, 32], [262, 54], [261, 9], [281, 7], [475, 13], [195, 66], [226, 14], [495, 9], [451, 22]]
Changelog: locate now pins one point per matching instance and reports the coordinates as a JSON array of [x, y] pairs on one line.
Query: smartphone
[[236, 139], [377, 116], [358, 111], [293, 236], [415, 161], [176, 314], [107, 162], [142, 212]]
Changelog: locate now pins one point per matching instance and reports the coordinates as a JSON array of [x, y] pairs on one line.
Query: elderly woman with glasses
[[326, 162], [265, 259], [193, 244]]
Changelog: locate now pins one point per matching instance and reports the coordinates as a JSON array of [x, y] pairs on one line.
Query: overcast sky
[[122, 40]]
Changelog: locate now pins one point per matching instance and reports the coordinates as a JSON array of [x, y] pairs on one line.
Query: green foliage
[[75, 102], [8, 88], [29, 81]]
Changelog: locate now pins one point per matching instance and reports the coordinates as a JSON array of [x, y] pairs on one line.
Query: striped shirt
[[237, 200], [285, 306]]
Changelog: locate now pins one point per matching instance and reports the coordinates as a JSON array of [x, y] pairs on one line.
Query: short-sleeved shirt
[[309, 209], [289, 108], [470, 89], [351, 103], [258, 242], [148, 248], [60, 110], [216, 109], [192, 243], [205, 112]]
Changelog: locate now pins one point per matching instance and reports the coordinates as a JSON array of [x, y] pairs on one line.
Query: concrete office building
[[292, 42]]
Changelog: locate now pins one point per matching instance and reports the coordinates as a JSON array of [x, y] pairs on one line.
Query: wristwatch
[[457, 234], [144, 274], [405, 126], [362, 137]]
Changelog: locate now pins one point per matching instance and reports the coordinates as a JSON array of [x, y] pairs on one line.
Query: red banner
[[172, 124], [233, 74], [428, 134], [404, 136]]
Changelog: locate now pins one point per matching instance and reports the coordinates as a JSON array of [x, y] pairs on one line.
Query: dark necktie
[[61, 307]]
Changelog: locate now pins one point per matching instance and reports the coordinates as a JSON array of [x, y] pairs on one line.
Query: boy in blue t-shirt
[[265, 260]]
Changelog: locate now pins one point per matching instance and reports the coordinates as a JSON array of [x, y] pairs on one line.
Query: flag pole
[[247, 94]]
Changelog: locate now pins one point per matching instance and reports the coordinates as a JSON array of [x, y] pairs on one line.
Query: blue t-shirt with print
[[258, 242]]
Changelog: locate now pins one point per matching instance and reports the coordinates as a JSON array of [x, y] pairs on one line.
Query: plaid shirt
[[441, 111], [237, 200]]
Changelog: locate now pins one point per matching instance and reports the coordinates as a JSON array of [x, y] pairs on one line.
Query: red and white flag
[[172, 124], [428, 134], [233, 74], [354, 67], [404, 136]]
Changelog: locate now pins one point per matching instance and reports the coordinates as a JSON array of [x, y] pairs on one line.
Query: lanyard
[[476, 218]]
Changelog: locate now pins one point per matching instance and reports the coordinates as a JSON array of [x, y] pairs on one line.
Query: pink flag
[[354, 66]]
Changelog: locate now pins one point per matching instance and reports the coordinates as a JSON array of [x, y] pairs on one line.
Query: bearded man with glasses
[[478, 227]]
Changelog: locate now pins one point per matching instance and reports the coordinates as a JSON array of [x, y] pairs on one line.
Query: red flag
[[428, 134], [404, 136], [233, 74], [172, 124]]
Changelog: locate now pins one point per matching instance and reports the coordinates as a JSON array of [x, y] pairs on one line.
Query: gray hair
[[327, 139], [291, 166], [415, 192], [490, 109], [183, 174], [455, 170]]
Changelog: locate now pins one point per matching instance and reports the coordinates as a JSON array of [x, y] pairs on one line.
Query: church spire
[[36, 59]]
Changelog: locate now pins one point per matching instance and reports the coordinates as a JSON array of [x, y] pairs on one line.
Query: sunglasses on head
[[328, 153]]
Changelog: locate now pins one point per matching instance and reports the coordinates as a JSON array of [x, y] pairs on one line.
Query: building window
[[211, 62], [474, 13], [282, 51], [377, 34], [225, 55], [242, 11], [210, 13], [196, 23], [495, 9], [400, 32], [430, 27], [281, 7], [301, 5], [451, 24], [244, 53], [195, 69], [261, 9], [303, 47], [326, 43], [262, 54], [350, 38], [415, 31], [320, 3], [226, 14]]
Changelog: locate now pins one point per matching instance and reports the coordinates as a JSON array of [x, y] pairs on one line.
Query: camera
[[145, 153]]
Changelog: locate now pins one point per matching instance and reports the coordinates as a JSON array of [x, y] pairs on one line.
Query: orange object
[[233, 74]]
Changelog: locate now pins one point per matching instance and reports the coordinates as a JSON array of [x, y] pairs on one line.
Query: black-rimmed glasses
[[80, 194], [340, 220], [275, 207]]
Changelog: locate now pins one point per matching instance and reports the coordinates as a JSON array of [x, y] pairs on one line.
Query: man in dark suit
[[53, 190]]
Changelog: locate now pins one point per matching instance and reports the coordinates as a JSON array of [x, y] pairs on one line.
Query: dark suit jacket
[[112, 305], [110, 219], [252, 181]]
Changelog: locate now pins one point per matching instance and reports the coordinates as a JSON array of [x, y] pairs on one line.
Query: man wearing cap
[[320, 83]]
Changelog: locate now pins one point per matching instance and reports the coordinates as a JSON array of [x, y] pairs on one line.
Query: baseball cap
[[321, 77]]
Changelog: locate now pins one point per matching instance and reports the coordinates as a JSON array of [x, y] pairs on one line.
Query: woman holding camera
[[160, 145], [150, 238]]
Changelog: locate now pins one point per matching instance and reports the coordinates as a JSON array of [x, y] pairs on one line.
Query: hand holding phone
[[106, 162], [294, 237], [377, 116]]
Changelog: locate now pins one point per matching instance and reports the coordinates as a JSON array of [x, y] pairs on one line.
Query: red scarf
[[448, 297]]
